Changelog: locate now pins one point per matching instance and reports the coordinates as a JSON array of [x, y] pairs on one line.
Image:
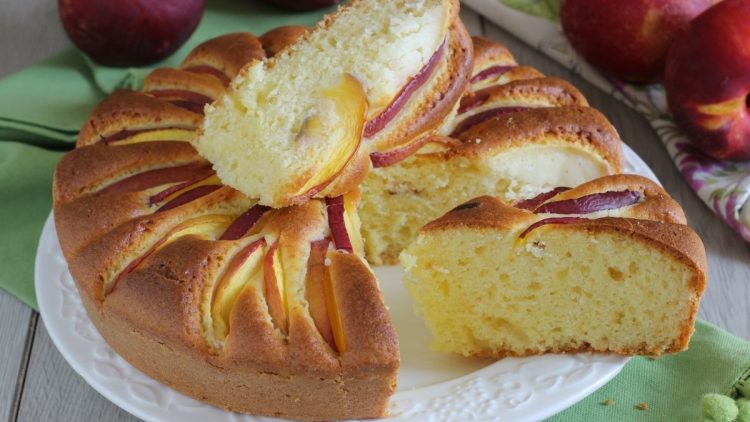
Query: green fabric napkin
[[43, 106], [671, 386], [25, 175]]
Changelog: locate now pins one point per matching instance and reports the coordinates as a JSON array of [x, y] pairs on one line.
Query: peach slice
[[245, 222], [389, 158], [334, 315], [244, 265], [337, 223], [175, 191], [125, 137], [158, 177], [205, 227], [189, 196], [190, 100], [587, 204], [412, 85], [315, 290], [273, 282], [349, 102], [394, 156], [492, 71], [533, 203], [483, 116]]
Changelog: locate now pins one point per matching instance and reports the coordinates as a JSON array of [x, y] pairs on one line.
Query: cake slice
[[373, 75], [607, 267]]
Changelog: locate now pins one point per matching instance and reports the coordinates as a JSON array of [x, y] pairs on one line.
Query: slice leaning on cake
[[609, 266], [373, 75]]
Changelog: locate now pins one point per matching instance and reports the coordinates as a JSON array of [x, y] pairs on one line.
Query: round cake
[[265, 304]]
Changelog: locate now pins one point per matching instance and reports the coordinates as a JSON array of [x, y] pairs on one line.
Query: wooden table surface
[[36, 384]]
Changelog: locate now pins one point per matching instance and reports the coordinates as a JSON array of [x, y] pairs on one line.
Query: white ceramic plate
[[432, 386]]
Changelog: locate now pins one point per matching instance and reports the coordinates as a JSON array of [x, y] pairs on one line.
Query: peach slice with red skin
[[489, 73], [273, 283], [595, 202], [389, 158], [157, 177], [380, 121], [172, 192], [245, 222], [207, 226], [335, 209], [483, 116], [128, 136], [190, 100], [188, 196], [533, 203]]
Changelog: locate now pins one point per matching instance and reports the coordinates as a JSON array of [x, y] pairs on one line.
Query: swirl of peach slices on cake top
[[608, 266], [222, 291], [514, 134], [372, 76]]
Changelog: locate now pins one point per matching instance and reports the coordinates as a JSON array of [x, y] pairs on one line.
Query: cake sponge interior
[[484, 292]]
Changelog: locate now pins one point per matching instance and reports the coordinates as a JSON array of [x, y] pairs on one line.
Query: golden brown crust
[[98, 263], [583, 126], [484, 211], [166, 78], [280, 38], [130, 110], [85, 170], [101, 215], [227, 53], [490, 53], [554, 92], [656, 205]]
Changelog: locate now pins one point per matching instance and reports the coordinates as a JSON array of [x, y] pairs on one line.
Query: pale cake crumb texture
[[487, 292]]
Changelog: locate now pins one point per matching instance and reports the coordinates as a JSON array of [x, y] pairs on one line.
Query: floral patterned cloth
[[723, 186]]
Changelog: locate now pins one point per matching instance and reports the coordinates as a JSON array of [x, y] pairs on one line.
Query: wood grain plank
[[727, 299], [31, 31], [54, 392], [16, 329]]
